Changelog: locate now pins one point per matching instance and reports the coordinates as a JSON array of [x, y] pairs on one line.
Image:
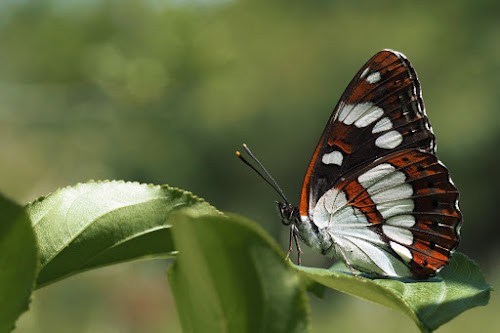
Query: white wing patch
[[387, 187], [363, 75], [389, 140], [369, 117], [371, 257], [326, 206], [395, 207], [349, 232], [373, 175], [391, 193], [373, 78], [346, 233], [383, 124], [400, 235], [405, 221], [390, 180], [335, 157], [403, 191], [361, 114], [402, 251]]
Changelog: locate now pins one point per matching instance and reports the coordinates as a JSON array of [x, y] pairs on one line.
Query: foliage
[[18, 262], [229, 274], [429, 303], [96, 224]]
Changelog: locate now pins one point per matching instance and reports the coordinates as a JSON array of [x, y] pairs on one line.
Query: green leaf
[[18, 263], [102, 223], [430, 304], [230, 276]]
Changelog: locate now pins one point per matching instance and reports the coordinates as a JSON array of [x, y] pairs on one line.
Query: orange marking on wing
[[336, 139], [359, 92], [304, 194], [410, 157], [365, 204], [338, 135], [424, 226], [429, 258], [450, 211], [442, 236]]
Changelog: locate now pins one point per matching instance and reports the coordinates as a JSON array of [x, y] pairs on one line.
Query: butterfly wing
[[409, 205], [381, 110], [374, 183]]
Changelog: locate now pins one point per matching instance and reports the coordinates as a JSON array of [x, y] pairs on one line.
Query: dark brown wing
[[412, 204], [380, 112]]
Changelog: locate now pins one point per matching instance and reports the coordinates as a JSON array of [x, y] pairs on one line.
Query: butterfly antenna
[[271, 182]]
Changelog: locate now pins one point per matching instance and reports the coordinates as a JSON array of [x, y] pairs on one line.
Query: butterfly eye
[[287, 212]]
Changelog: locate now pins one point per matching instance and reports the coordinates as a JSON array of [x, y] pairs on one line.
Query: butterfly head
[[288, 212]]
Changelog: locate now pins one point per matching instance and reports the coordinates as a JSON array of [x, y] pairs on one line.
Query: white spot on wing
[[383, 124], [398, 234], [373, 78], [373, 175], [351, 112], [369, 117], [345, 230], [335, 157], [389, 140], [361, 114], [389, 190], [392, 179], [391, 208], [350, 221], [362, 76], [403, 252], [405, 221], [372, 257], [363, 247], [376, 255], [402, 191], [327, 205]]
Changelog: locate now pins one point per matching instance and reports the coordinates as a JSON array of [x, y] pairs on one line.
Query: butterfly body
[[375, 194]]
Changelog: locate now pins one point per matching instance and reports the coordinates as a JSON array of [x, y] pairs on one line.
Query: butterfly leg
[[290, 248], [293, 237], [297, 245]]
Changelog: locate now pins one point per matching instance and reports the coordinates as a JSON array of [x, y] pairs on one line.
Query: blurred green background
[[165, 91]]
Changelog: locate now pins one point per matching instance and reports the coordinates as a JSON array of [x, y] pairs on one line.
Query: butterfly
[[375, 195]]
